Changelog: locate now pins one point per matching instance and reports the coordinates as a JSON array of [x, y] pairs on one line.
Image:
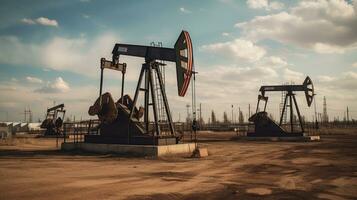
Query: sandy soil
[[34, 169]]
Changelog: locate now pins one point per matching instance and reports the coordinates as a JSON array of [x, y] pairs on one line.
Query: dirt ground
[[35, 169]]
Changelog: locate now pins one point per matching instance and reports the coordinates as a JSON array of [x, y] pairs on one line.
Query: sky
[[50, 52]]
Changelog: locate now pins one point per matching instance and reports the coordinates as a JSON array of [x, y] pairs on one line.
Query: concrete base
[[136, 150], [283, 139], [200, 153]]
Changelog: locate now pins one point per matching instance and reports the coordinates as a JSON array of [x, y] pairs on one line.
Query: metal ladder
[[159, 99], [283, 94]]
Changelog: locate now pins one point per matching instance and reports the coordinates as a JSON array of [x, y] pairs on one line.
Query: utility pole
[[239, 117], [200, 113], [28, 112], [232, 115], [320, 117], [348, 115], [324, 115], [248, 111], [188, 117]]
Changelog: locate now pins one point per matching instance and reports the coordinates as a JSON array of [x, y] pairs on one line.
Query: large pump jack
[[265, 126], [120, 121]]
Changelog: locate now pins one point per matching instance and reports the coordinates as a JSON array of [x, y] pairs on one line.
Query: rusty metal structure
[[53, 121], [265, 126], [120, 121]]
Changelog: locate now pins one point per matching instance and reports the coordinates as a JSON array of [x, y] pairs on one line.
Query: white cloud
[[343, 84], [5, 88], [275, 5], [62, 53], [350, 74], [225, 34], [80, 55], [28, 21], [255, 4], [185, 10], [14, 51], [324, 9], [46, 22], [31, 79], [354, 64], [265, 4], [321, 25], [324, 78], [41, 21], [238, 48], [57, 86], [339, 89], [273, 61], [77, 99], [241, 86], [85, 16], [328, 49], [247, 73], [292, 76]]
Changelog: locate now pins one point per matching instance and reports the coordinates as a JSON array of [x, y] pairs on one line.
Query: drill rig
[[120, 121], [266, 127]]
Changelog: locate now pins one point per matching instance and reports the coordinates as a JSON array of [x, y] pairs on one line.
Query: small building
[[35, 127], [10, 125], [24, 127], [16, 126], [5, 131]]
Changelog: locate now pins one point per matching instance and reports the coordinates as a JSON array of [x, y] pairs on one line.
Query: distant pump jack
[[265, 126], [53, 121]]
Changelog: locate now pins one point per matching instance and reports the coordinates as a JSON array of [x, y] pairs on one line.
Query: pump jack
[[53, 122], [120, 121], [265, 126]]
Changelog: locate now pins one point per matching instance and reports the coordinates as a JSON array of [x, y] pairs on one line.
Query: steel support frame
[[263, 98], [291, 97], [101, 84], [147, 70]]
